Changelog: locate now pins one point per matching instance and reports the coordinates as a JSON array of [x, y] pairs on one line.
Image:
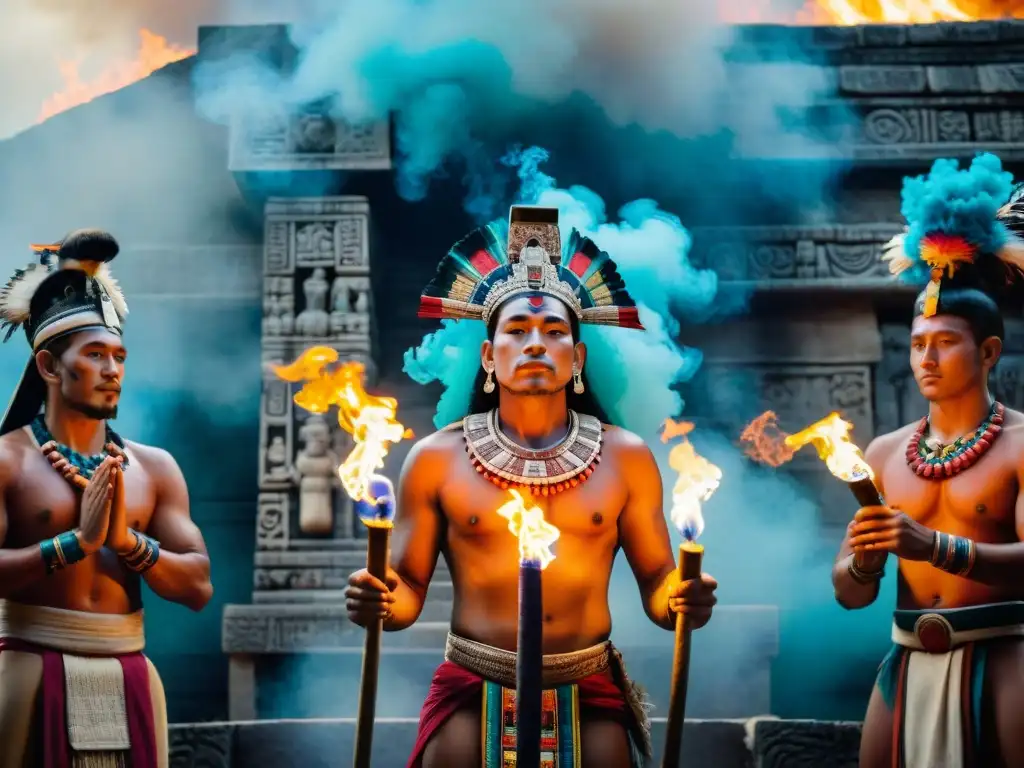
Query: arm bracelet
[[862, 576], [61, 551], [953, 554], [143, 555]]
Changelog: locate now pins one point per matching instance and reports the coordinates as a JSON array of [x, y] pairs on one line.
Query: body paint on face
[[536, 302]]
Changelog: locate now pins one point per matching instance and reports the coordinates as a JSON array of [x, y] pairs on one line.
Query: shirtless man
[[531, 401], [950, 691], [74, 549]]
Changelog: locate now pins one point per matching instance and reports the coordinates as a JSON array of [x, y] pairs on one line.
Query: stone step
[[765, 743]]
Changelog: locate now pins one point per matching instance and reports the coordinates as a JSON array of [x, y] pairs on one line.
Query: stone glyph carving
[[311, 140], [315, 467], [314, 320], [316, 291], [786, 254]]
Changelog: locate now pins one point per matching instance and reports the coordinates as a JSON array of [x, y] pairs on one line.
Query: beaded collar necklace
[[85, 464], [544, 472], [931, 459]]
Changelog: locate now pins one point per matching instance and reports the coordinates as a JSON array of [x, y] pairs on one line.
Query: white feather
[[113, 290], [16, 296], [894, 253]]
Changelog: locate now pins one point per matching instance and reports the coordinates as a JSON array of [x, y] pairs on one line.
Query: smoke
[[458, 77]]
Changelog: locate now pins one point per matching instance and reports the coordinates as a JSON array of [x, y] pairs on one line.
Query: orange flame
[[831, 438], [535, 534], [697, 481], [853, 12], [368, 418], [768, 444], [765, 442], [154, 52]]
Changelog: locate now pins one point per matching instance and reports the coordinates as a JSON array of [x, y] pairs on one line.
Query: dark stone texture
[[806, 744], [329, 743]]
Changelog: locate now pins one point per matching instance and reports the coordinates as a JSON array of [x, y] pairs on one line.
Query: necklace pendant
[[931, 460]]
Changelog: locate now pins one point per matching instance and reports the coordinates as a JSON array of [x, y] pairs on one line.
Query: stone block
[[806, 744]]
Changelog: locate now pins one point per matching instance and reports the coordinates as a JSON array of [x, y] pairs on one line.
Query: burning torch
[[830, 437], [370, 420], [697, 481], [536, 536]]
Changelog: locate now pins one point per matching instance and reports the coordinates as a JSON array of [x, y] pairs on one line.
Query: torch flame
[[830, 437], [368, 418], [535, 534], [697, 482]]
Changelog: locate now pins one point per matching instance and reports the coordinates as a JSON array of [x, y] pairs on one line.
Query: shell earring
[[489, 381], [577, 381]]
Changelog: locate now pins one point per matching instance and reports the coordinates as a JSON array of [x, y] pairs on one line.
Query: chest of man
[[590, 510], [979, 502], [43, 504]]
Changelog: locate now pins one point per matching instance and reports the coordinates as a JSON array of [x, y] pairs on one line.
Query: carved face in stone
[[946, 359], [316, 437], [533, 351]]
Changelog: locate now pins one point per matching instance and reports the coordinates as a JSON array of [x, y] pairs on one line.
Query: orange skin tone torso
[[40, 504], [483, 555]]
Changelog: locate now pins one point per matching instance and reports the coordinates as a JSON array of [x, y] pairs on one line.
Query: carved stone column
[[316, 271]]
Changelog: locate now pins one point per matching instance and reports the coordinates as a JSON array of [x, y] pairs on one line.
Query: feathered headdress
[[957, 219], [480, 273], [68, 289], [73, 271]]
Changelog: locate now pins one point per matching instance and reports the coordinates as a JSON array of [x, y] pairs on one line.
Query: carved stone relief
[[316, 292], [310, 141], [772, 254]]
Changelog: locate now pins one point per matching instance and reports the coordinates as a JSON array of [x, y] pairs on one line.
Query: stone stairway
[[762, 743]]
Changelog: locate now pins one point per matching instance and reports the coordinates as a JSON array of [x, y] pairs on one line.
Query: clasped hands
[[103, 518], [695, 598], [877, 530]]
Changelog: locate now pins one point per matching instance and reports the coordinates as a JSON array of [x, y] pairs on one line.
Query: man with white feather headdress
[[85, 516], [950, 691]]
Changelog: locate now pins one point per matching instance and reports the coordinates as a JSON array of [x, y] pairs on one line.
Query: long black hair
[[586, 403]]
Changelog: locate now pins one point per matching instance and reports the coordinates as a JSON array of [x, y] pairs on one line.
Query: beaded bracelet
[[864, 577], [953, 554], [143, 555], [61, 551]]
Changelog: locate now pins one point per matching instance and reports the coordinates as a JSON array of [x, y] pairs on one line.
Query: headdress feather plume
[[955, 218], [483, 269]]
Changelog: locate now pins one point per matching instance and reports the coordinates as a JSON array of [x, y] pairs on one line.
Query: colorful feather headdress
[[479, 273], [958, 218]]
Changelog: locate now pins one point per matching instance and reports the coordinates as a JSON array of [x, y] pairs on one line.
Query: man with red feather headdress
[[534, 427], [85, 517], [950, 693]]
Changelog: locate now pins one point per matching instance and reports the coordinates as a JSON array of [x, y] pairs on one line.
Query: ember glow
[[768, 444], [154, 52], [527, 523], [369, 419], [697, 480], [845, 13]]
